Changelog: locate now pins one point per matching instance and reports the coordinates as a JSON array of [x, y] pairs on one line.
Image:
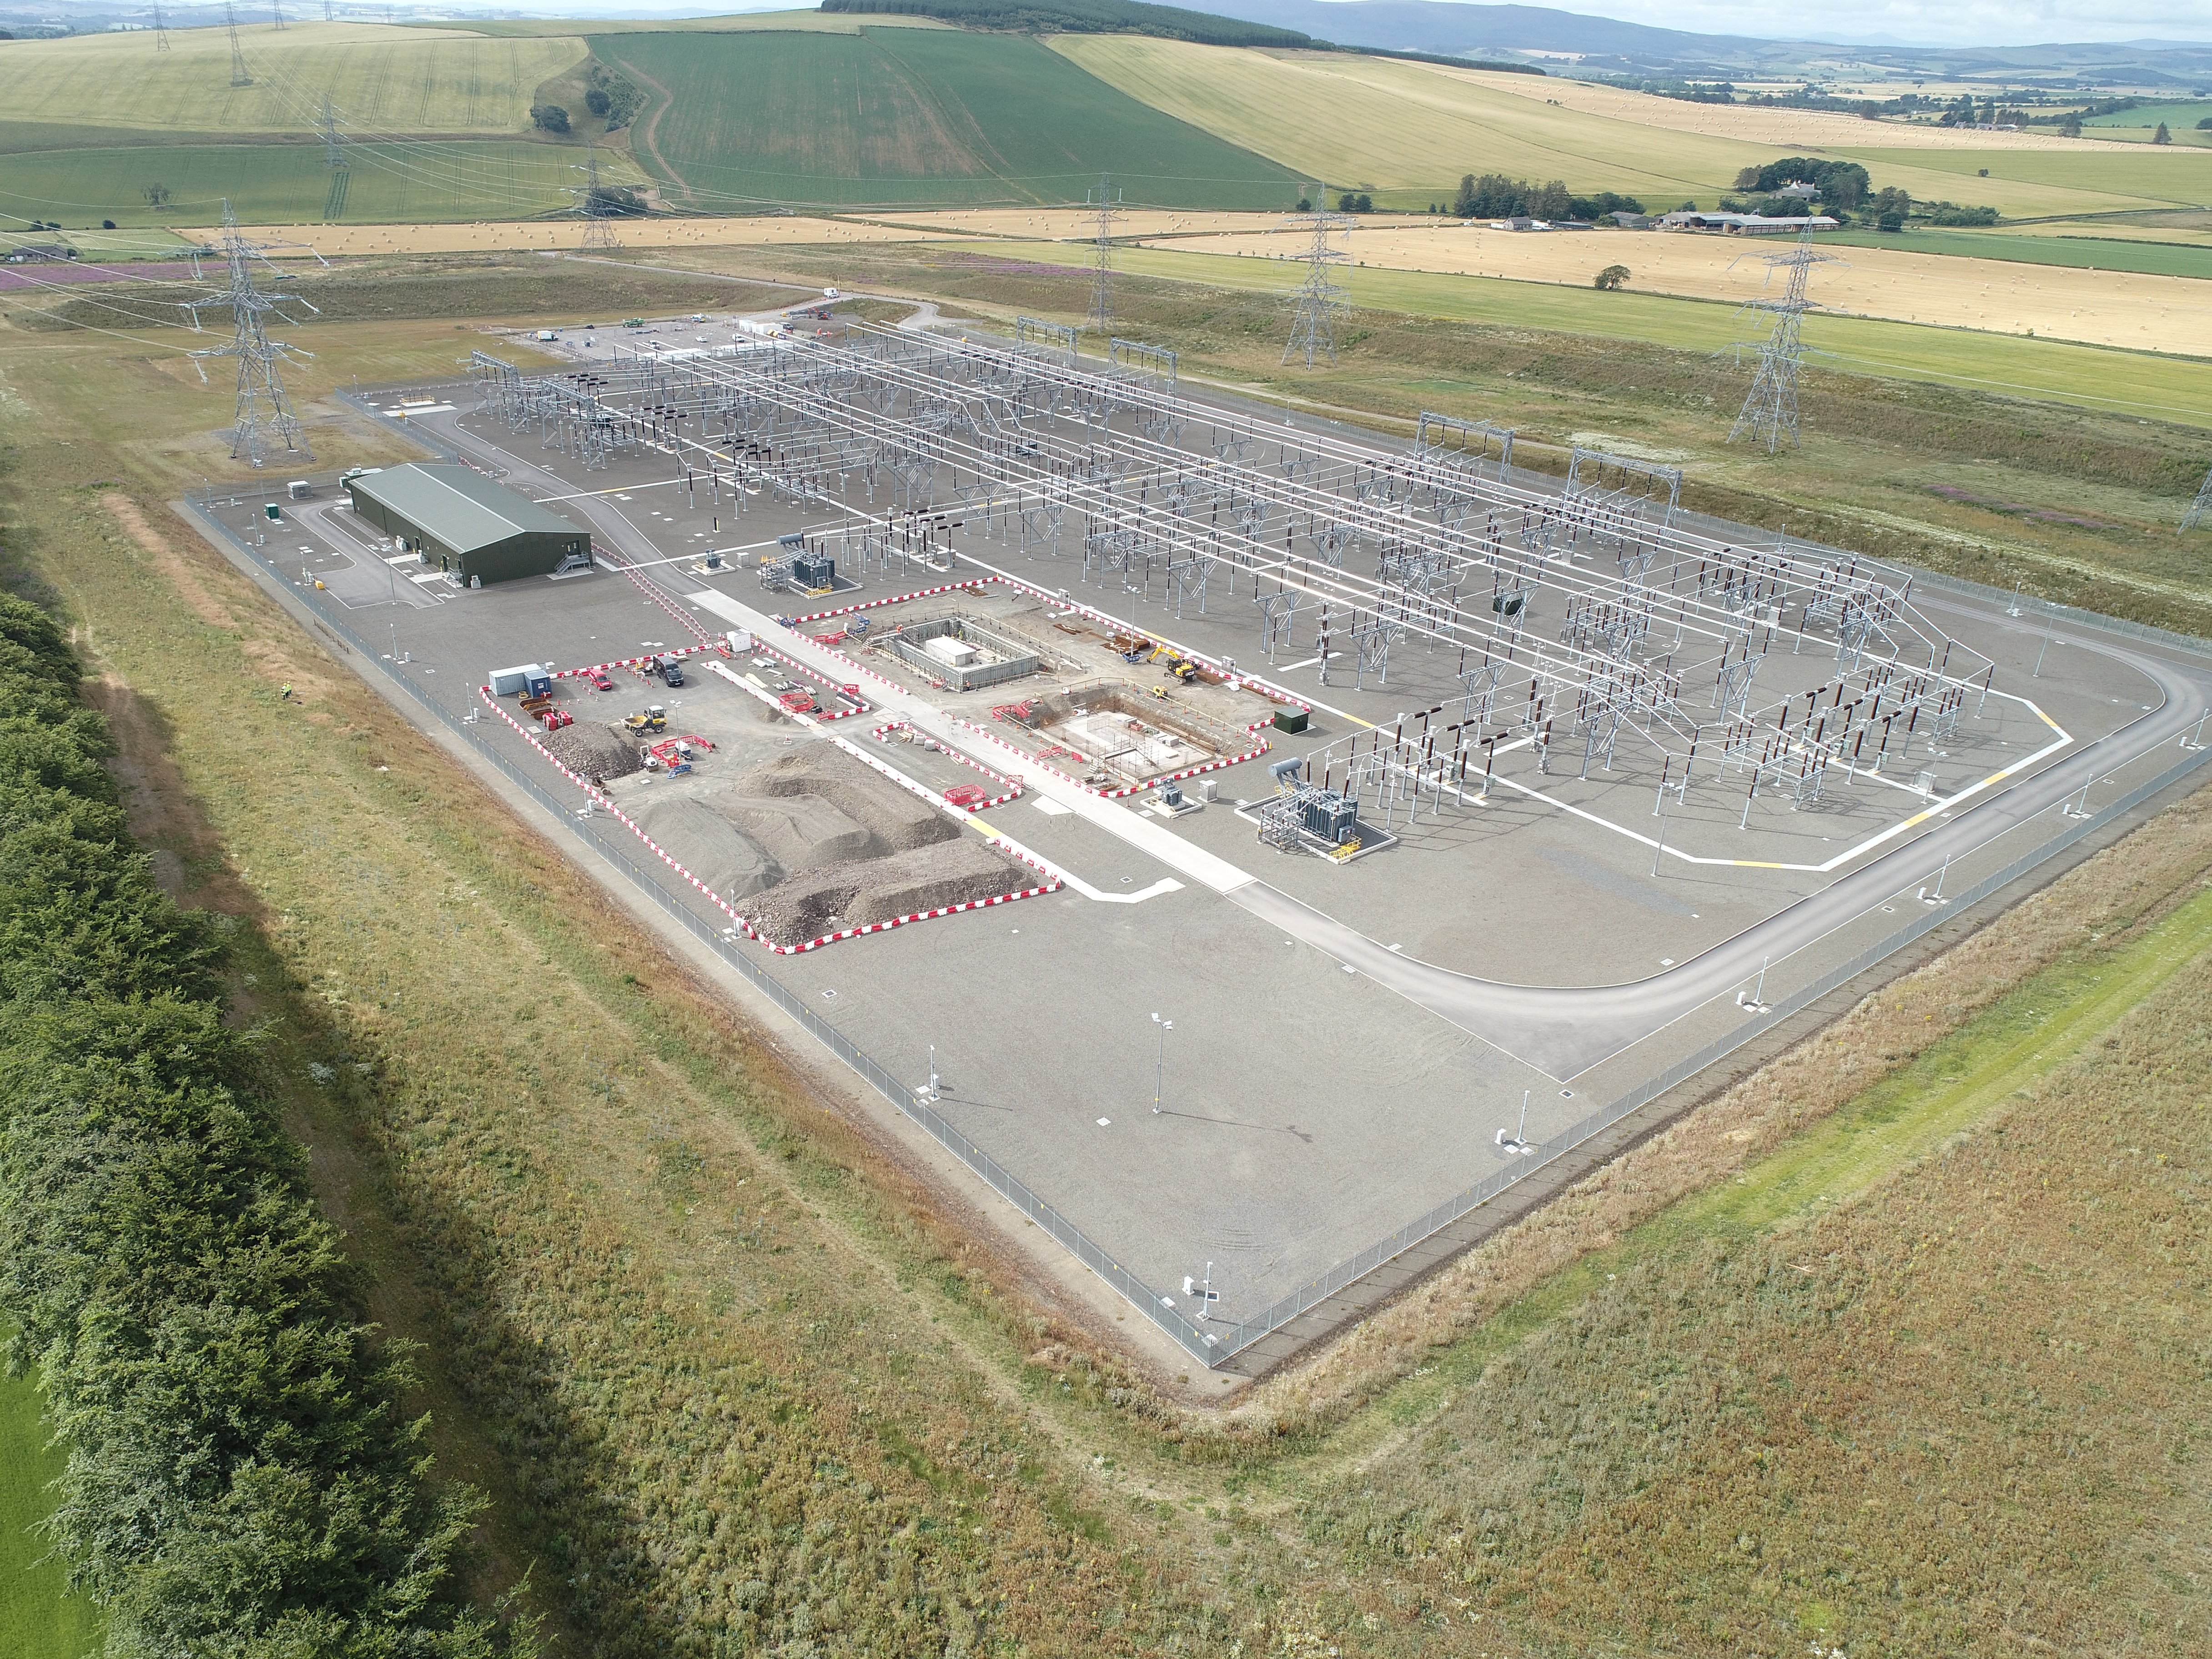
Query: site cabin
[[468, 526], [529, 679]]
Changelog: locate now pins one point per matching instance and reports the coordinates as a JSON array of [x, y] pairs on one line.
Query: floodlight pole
[[1160, 1071]]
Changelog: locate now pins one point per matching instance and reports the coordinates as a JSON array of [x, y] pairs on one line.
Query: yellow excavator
[[1177, 665]]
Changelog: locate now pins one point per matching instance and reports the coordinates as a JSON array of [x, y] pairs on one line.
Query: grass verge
[[2139, 383], [38, 1618]]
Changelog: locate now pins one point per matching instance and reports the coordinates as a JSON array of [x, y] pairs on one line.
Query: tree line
[[242, 1478], [1494, 196]]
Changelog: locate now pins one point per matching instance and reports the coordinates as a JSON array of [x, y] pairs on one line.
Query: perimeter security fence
[[1213, 1341]]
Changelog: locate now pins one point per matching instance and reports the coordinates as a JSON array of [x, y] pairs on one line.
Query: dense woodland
[[243, 1478]]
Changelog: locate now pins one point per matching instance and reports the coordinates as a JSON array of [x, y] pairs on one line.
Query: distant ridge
[[1135, 17], [1606, 46], [1086, 17]]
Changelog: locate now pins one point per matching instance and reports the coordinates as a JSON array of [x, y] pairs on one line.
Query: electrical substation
[[1065, 734]]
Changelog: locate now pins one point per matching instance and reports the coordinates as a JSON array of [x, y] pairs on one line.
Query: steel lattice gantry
[[1593, 613]]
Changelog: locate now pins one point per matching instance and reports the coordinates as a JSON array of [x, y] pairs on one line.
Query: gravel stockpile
[[808, 904], [596, 752], [895, 820], [808, 843], [692, 830]]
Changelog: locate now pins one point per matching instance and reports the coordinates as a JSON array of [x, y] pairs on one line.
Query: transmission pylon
[[326, 128], [160, 28], [266, 419], [334, 158], [2201, 507], [330, 11], [1105, 201], [239, 77], [1770, 411], [1319, 300], [591, 202], [276, 11]]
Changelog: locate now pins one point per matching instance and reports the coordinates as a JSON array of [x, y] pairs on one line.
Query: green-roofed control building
[[468, 524]]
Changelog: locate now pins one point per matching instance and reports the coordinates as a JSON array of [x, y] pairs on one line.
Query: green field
[[2025, 183], [393, 182], [380, 80], [2153, 387], [2180, 115], [38, 1618], [93, 120], [908, 116]]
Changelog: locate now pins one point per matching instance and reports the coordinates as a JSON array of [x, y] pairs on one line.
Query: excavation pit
[[966, 652], [1119, 735]]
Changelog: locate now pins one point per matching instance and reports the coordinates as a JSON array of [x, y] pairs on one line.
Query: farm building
[[470, 526]]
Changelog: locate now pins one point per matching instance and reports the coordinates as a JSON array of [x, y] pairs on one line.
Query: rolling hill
[[921, 116], [436, 126], [383, 80], [1608, 45], [882, 110], [1415, 128]]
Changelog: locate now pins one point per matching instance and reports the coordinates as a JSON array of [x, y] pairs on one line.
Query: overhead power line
[[265, 418], [1319, 300], [239, 77], [1106, 200], [1770, 410]]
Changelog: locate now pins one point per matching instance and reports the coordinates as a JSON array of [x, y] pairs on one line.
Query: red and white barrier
[[882, 734], [870, 604], [680, 653], [1127, 789], [599, 797], [660, 595], [1229, 676], [814, 674]]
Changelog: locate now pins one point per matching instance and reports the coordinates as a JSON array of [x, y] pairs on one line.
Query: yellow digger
[[1177, 665]]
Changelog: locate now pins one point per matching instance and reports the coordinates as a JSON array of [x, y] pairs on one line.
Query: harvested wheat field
[[1815, 131], [2096, 308], [1079, 224]]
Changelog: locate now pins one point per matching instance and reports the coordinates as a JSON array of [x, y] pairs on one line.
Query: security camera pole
[[1160, 1073]]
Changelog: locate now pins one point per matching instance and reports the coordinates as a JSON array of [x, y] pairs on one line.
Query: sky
[[1923, 22]]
